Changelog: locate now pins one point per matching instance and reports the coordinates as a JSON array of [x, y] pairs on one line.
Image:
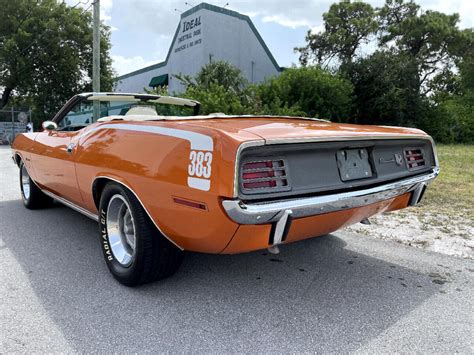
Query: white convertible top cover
[[200, 117]]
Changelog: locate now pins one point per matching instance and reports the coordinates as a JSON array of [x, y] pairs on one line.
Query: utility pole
[[96, 57]]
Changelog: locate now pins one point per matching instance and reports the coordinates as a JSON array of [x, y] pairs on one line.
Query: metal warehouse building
[[206, 33]]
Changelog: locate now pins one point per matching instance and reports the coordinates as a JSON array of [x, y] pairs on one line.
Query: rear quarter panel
[[155, 167]]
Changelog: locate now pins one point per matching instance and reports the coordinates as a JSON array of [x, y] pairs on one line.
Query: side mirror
[[49, 126]]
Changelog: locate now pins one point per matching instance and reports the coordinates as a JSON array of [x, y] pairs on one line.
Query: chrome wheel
[[25, 183], [121, 230]]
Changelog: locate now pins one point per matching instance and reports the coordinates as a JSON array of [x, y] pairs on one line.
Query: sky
[[142, 30]]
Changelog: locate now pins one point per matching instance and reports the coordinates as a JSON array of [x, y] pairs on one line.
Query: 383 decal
[[200, 169], [200, 164]]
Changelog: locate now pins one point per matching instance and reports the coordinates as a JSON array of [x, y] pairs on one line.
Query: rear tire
[[134, 250], [33, 198]]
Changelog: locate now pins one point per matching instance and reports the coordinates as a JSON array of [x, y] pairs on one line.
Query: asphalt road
[[338, 293]]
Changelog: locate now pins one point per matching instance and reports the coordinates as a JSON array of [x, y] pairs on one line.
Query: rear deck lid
[[276, 129]]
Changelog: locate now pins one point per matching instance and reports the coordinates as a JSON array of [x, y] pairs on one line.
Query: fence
[[13, 122]]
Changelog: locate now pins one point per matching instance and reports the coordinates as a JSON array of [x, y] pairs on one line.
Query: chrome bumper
[[276, 211]]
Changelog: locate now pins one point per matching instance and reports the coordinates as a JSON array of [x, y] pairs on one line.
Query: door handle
[[70, 147]]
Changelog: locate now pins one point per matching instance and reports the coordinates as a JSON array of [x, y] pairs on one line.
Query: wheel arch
[[98, 186], [18, 158]]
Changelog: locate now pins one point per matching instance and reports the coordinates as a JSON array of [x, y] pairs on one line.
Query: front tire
[[134, 250], [33, 198]]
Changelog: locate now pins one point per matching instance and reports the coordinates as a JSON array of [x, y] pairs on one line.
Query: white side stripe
[[198, 141]]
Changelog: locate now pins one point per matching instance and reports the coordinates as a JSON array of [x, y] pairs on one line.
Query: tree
[[46, 53], [307, 91], [218, 72], [413, 78], [431, 38], [347, 25], [455, 105], [220, 87], [393, 14], [385, 89]]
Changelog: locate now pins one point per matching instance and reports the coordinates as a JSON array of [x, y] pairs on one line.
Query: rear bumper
[[279, 211]]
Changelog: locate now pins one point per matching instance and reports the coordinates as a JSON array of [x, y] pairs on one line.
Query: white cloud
[[465, 8], [286, 22], [123, 65], [155, 17], [155, 21], [308, 13], [317, 29], [105, 9], [159, 16]]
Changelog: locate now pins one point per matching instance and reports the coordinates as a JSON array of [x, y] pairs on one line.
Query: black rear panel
[[311, 168]]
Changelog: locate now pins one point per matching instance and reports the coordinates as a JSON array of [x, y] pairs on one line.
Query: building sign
[[190, 35]]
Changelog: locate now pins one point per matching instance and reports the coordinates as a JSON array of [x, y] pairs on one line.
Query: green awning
[[159, 80]]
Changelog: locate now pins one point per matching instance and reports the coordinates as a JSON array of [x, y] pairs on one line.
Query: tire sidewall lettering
[[104, 237]]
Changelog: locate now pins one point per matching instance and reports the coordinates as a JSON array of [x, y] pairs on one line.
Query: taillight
[[414, 158], [264, 174]]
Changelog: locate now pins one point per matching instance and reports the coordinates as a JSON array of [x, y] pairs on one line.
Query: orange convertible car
[[160, 179]]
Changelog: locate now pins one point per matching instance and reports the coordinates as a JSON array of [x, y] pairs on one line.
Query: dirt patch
[[443, 233]]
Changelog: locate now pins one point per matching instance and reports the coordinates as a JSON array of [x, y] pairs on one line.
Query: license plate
[[353, 164]]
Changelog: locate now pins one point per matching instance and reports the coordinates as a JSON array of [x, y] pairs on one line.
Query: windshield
[[122, 108], [81, 115]]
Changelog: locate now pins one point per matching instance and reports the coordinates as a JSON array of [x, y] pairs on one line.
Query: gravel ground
[[451, 235], [344, 292]]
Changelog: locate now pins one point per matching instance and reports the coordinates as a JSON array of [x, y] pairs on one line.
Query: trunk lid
[[275, 129]]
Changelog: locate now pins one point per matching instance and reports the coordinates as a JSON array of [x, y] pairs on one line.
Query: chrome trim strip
[[255, 143], [344, 138], [138, 198], [268, 212], [72, 205]]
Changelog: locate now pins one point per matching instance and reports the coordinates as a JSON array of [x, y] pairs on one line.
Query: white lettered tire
[[134, 250], [33, 198]]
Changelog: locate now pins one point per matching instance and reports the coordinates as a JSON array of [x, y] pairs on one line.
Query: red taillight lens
[[264, 174], [414, 158], [259, 184], [258, 165], [256, 175]]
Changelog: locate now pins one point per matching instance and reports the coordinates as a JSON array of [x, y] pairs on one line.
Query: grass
[[452, 193]]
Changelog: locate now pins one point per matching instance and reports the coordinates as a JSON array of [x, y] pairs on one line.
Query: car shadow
[[307, 298]]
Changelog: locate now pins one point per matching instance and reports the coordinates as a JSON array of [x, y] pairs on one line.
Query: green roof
[[213, 8], [159, 80]]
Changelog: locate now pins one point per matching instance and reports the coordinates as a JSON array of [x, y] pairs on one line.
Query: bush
[[216, 98], [307, 91], [219, 87]]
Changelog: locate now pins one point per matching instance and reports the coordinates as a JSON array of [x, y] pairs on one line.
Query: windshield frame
[[139, 98]]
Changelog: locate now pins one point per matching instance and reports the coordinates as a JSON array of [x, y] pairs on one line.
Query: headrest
[[142, 110]]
